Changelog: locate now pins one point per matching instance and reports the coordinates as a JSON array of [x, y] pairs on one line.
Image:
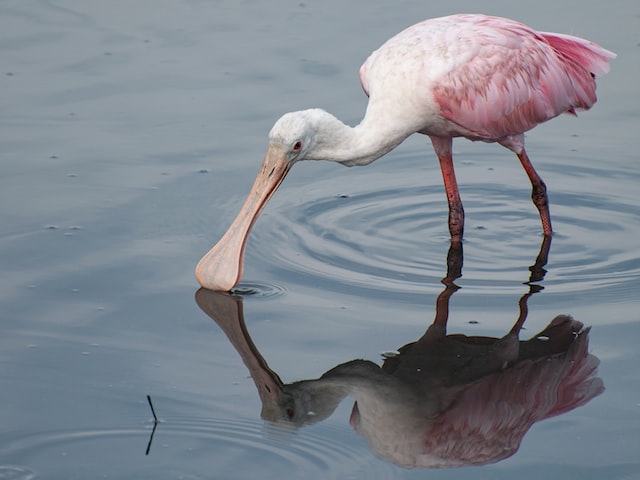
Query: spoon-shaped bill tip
[[222, 266]]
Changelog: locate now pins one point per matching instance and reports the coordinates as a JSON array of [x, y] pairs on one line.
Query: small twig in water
[[155, 424], [153, 410], [153, 431]]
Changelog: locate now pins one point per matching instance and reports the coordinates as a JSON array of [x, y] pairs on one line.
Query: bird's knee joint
[[539, 194]]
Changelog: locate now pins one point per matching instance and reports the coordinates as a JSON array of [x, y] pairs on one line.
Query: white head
[[306, 134]]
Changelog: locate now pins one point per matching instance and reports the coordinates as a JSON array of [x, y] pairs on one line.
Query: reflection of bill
[[442, 401]]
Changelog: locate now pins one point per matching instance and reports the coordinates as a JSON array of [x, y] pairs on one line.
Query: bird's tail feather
[[590, 55]]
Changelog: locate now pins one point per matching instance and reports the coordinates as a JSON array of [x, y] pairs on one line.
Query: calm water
[[131, 132]]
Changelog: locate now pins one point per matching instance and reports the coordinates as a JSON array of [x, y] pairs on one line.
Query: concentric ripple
[[15, 472], [233, 448], [294, 453], [261, 290], [366, 239], [389, 232]]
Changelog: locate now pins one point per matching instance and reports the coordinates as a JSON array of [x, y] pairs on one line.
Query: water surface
[[131, 134]]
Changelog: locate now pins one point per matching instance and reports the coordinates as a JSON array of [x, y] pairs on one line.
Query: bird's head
[[295, 136], [302, 135]]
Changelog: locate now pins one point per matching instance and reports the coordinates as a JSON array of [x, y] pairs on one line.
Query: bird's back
[[484, 77]]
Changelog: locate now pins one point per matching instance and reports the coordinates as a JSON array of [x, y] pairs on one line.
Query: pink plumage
[[495, 77]]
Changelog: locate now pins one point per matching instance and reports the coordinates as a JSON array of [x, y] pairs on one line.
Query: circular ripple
[[261, 290], [306, 453], [366, 237], [15, 472], [389, 232], [237, 448], [395, 237]]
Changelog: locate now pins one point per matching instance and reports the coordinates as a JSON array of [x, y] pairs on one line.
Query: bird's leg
[[538, 192], [438, 329], [537, 269], [442, 147], [454, 263]]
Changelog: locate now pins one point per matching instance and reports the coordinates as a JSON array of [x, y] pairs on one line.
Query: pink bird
[[473, 76]]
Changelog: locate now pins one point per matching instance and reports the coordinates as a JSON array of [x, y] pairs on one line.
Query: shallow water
[[131, 134]]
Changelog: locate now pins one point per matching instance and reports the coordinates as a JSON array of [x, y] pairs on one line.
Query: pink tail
[[583, 60], [588, 54]]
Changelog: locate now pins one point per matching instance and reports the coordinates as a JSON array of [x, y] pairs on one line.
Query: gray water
[[130, 134]]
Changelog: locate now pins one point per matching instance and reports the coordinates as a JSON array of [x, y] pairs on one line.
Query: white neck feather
[[351, 146]]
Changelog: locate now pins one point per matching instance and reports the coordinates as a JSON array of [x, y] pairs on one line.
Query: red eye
[[297, 146]]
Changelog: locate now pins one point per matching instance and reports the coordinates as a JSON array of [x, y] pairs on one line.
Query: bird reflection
[[445, 400]]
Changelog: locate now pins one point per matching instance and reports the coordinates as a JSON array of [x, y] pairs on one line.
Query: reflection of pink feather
[[486, 419]]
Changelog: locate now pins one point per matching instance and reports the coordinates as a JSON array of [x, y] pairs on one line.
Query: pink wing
[[519, 78]]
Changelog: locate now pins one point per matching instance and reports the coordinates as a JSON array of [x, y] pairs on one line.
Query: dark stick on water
[[153, 410], [153, 431], [155, 424]]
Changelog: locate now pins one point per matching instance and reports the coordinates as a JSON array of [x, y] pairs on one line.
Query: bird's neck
[[359, 145]]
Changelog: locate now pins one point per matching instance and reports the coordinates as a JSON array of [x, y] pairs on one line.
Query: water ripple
[[261, 290], [389, 232], [283, 449], [243, 449], [15, 472]]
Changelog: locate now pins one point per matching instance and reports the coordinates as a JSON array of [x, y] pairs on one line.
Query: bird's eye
[[297, 146]]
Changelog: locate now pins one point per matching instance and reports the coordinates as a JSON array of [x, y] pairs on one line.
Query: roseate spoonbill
[[473, 76]]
